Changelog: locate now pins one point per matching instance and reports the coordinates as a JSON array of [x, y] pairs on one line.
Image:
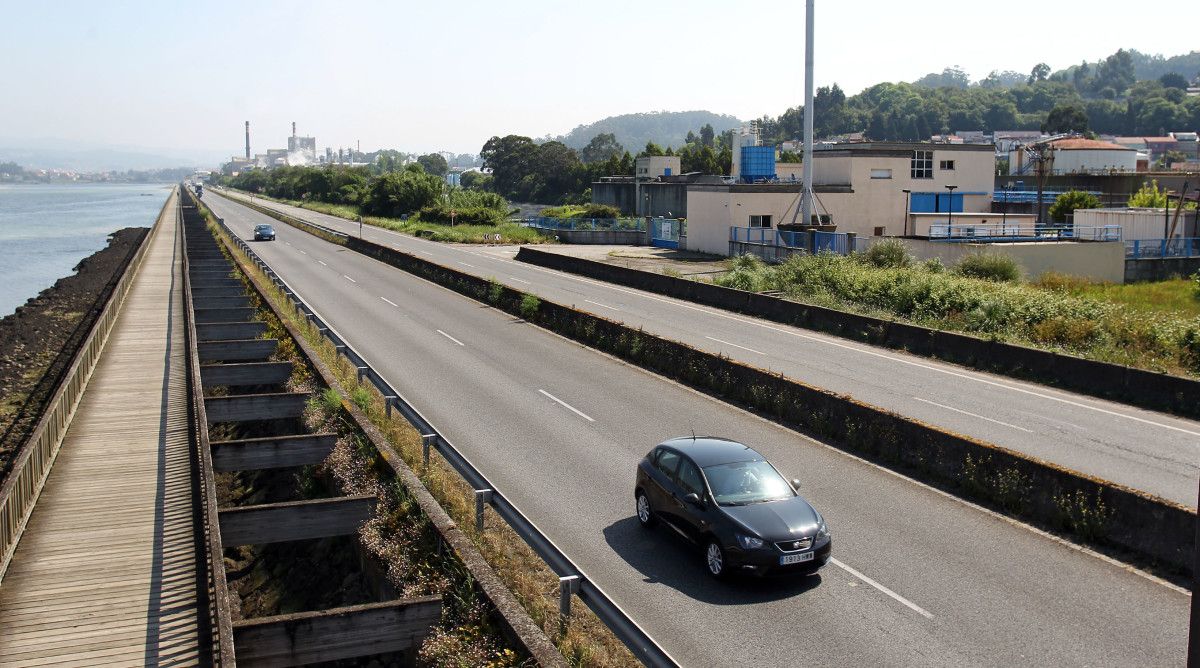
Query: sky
[[433, 75]]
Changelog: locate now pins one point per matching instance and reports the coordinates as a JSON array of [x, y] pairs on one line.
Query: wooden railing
[[32, 464]]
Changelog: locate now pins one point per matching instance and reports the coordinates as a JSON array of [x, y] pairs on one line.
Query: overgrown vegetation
[[1067, 203], [1048, 317], [582, 211]]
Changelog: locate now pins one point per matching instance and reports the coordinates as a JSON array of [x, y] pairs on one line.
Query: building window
[[881, 173], [760, 221], [922, 165], [947, 165]]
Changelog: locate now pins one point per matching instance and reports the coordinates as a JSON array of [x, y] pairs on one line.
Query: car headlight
[[749, 542], [822, 530]]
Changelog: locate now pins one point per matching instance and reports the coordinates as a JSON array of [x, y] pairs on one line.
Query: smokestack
[[806, 195], [247, 140], [293, 128]]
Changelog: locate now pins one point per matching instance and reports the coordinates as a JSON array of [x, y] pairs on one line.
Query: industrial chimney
[[247, 140], [293, 128]]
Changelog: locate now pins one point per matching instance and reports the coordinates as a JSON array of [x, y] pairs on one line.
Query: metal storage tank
[[758, 163]]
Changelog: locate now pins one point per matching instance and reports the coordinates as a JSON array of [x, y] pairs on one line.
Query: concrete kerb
[[1095, 511], [519, 626], [1157, 391]]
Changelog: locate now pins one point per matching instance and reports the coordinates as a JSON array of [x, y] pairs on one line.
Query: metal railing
[[1014, 232], [1176, 247], [586, 224], [841, 243], [572, 578], [33, 462]]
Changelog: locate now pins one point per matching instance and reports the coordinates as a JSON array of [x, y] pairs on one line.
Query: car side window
[[689, 478], [667, 462]]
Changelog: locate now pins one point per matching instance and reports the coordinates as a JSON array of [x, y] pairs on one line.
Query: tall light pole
[[907, 194], [950, 211], [806, 196]]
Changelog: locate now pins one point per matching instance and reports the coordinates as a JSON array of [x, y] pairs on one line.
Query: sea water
[[46, 229]]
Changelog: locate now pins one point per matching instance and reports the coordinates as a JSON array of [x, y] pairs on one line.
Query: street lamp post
[[950, 211], [1004, 211], [907, 211]]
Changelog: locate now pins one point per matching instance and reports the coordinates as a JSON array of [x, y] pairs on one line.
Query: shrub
[[888, 253], [746, 272], [989, 267], [441, 213], [591, 210], [1066, 204], [1148, 196], [530, 306], [934, 265], [1196, 285]]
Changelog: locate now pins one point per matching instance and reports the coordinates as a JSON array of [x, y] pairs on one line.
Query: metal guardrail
[[33, 462], [594, 224], [810, 241], [1153, 249], [572, 578], [1005, 232]]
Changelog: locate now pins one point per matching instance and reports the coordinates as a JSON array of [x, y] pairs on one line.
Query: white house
[[1076, 155]]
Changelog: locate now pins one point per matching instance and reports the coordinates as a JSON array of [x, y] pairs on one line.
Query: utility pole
[[806, 195]]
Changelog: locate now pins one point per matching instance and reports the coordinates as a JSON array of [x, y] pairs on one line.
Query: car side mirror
[[694, 499], [796, 484]]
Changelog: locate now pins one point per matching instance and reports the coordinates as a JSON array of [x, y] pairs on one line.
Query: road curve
[[1146, 450], [922, 578]]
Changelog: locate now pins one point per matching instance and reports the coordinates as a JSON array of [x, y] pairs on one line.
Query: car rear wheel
[[645, 514], [714, 559]]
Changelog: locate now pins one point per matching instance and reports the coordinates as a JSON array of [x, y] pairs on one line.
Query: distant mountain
[[54, 153], [1146, 66], [665, 128]]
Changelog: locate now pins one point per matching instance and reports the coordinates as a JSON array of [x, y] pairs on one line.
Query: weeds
[[989, 267], [529, 306]]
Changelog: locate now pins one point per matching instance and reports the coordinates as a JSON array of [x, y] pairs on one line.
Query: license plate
[[796, 558]]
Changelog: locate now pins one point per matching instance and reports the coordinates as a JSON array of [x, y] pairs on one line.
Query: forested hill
[[1147, 66], [665, 128]]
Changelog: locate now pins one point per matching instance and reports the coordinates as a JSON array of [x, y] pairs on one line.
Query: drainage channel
[[290, 583]]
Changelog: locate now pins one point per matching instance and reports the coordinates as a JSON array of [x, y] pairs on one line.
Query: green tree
[[1174, 80], [11, 169], [706, 134], [1115, 71], [402, 193], [1106, 117], [1040, 72], [602, 147], [1068, 202], [1065, 118], [651, 149], [1148, 196], [1157, 116], [434, 163]]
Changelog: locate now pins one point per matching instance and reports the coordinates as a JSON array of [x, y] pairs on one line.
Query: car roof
[[263, 225], [710, 450]]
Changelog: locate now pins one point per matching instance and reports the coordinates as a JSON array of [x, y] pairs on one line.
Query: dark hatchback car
[[729, 500], [264, 233]]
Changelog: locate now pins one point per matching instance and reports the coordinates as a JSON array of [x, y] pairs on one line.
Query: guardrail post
[[426, 442], [482, 498], [567, 586], [387, 403], [362, 371]]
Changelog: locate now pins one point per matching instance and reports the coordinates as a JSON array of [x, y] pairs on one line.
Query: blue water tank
[[757, 163]]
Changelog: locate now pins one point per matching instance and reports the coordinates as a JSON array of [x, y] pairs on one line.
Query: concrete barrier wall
[[1093, 510], [1160, 269], [1139, 387]]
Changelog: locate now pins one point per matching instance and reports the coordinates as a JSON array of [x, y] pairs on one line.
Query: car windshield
[[743, 483]]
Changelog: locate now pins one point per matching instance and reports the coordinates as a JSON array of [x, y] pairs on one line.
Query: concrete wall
[[652, 166], [1094, 260], [1160, 269], [668, 200]]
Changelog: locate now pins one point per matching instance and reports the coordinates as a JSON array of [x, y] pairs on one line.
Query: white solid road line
[[390, 302], [614, 308], [322, 263], [567, 406], [909, 604], [451, 338], [349, 279], [956, 410], [757, 352]]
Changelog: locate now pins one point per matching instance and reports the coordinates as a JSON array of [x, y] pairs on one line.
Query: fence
[[1005, 232], [587, 224], [774, 245], [20, 490], [1162, 248]]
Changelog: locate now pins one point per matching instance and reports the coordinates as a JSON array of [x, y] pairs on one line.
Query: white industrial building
[[1076, 155]]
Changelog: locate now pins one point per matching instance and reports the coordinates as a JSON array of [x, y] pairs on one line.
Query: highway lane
[[1143, 449], [928, 580]]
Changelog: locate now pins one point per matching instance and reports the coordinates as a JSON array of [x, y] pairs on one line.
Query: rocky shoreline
[[38, 341]]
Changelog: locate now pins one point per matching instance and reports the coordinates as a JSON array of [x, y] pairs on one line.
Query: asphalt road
[[1150, 451], [921, 578]]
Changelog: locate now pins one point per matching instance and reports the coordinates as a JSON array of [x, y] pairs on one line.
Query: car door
[[662, 484], [692, 519]]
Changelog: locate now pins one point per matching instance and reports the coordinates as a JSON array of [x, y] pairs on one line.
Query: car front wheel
[[645, 514], [714, 559]]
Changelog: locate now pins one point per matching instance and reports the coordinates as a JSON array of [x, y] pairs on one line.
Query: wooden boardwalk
[[106, 572]]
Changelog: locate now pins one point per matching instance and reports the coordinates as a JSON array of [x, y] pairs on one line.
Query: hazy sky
[[436, 75]]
